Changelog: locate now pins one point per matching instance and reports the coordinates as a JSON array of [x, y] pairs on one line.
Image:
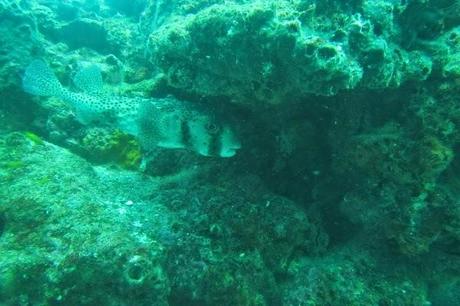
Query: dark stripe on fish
[[185, 133], [215, 145]]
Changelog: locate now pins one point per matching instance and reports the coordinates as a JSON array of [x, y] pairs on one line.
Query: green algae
[[33, 138], [116, 147]]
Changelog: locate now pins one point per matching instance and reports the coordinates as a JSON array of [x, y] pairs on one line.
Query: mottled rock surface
[[345, 190]]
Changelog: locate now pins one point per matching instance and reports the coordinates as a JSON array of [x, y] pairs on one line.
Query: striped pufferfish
[[167, 123]]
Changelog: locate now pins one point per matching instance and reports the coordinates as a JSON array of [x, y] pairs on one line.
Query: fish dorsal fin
[[89, 79]]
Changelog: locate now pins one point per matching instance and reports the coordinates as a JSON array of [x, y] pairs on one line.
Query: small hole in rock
[[378, 29], [136, 272], [327, 52]]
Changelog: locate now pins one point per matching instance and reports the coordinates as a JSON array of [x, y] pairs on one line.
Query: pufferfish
[[167, 123]]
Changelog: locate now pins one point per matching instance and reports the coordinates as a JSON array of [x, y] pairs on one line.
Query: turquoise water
[[238, 152]]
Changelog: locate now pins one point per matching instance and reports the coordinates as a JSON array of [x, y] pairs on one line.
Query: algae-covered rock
[[345, 190], [70, 227], [252, 51], [274, 51], [345, 281], [103, 146], [60, 237]]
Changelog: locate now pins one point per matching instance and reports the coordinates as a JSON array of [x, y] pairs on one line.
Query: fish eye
[[212, 128]]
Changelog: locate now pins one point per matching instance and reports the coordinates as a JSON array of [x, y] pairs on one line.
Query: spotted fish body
[[167, 123]]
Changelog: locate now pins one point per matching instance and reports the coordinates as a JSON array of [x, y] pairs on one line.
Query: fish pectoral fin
[[89, 79]]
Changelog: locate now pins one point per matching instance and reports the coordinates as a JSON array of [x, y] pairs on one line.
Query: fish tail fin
[[40, 80]]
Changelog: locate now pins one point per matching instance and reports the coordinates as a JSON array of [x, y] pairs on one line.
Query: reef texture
[[346, 190]]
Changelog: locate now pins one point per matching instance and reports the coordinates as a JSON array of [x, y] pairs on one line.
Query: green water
[[230, 152]]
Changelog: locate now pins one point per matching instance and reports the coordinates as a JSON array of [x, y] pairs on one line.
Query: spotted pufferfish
[[167, 123]]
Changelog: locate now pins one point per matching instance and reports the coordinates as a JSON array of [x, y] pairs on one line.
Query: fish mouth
[[230, 152]]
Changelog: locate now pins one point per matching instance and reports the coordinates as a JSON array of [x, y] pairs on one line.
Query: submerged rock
[[71, 227], [345, 190]]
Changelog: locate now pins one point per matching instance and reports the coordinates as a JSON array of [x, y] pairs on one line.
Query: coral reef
[[345, 190], [274, 51]]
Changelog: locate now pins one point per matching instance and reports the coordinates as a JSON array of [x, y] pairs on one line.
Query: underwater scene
[[230, 152]]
